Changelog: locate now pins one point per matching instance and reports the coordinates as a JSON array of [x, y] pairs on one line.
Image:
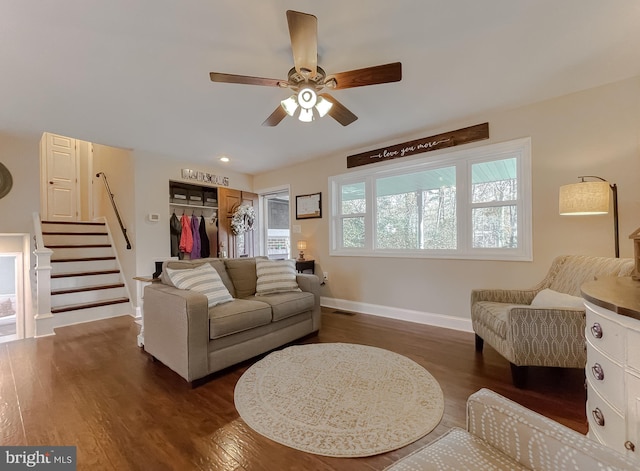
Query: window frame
[[462, 160]]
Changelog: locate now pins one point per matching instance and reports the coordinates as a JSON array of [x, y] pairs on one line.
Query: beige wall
[[595, 132], [152, 176], [139, 181], [117, 165], [21, 156]]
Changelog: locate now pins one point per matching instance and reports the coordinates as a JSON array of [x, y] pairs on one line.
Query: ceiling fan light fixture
[[323, 106], [290, 105], [306, 115], [307, 98]]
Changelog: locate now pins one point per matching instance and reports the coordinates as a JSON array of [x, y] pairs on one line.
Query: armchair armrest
[[533, 440], [507, 296], [547, 336], [176, 329]]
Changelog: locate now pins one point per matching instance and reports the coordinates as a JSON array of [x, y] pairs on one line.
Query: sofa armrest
[[508, 296], [311, 284], [176, 329], [533, 440]]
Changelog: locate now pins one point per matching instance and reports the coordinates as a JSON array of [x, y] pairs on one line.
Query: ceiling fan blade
[[246, 80], [339, 112], [303, 30], [367, 76], [275, 117]]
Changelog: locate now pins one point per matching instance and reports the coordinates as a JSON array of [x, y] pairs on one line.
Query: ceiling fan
[[306, 79]]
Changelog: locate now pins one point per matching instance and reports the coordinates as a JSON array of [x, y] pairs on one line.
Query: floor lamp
[[588, 198]]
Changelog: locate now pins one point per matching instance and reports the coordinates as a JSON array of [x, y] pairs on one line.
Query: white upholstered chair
[[502, 434]]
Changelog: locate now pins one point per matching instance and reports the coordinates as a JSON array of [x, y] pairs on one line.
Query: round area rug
[[338, 399]]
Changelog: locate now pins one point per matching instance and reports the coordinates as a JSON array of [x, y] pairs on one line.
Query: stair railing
[[115, 208]]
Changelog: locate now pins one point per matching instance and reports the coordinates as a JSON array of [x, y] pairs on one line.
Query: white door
[[62, 178]]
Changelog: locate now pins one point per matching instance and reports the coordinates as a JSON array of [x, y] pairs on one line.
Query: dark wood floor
[[91, 386]]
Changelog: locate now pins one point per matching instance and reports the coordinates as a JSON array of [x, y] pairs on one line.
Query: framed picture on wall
[[309, 206]]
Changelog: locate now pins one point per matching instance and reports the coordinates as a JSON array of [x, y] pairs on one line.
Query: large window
[[473, 203]]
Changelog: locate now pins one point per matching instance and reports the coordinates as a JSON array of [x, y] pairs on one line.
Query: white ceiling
[[135, 73]]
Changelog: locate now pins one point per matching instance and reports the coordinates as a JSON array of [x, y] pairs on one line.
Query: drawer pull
[[596, 330], [629, 446], [598, 416], [598, 372]]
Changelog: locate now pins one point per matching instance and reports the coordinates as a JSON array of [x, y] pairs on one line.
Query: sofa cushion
[[189, 264], [275, 276], [289, 304], [548, 298], [203, 279], [455, 450], [242, 272], [236, 316]]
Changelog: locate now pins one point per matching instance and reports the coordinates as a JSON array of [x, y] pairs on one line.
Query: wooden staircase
[[85, 278]]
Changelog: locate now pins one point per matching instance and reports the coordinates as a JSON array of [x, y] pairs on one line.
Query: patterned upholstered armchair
[[544, 325]]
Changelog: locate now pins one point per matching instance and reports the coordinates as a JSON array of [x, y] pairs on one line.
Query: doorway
[[66, 175], [277, 232], [11, 309]]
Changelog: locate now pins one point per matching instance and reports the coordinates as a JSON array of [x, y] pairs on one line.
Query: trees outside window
[[466, 204]]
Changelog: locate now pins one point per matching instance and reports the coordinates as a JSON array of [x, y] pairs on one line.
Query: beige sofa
[[543, 325], [195, 340], [503, 435]]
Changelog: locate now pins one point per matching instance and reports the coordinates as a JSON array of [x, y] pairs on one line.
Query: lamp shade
[[584, 198], [290, 105], [323, 106], [302, 245]]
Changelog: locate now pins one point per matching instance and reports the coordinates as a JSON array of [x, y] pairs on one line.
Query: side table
[[142, 282], [302, 265]]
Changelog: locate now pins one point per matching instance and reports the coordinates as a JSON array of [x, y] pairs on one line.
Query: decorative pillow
[[216, 263], [276, 276], [242, 272], [549, 298], [203, 279]]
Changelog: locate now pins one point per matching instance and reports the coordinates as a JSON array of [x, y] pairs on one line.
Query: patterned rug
[[338, 399]]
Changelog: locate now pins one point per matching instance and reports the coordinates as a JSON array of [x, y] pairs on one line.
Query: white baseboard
[[437, 320]]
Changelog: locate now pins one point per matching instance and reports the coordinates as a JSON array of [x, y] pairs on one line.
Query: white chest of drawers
[[613, 363]]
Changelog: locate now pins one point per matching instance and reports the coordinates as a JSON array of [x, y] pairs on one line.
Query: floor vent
[[344, 313]]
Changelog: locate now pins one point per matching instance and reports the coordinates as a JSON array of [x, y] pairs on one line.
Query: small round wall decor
[[6, 182]]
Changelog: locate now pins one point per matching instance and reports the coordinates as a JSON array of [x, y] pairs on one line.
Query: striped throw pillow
[[203, 279], [275, 276]]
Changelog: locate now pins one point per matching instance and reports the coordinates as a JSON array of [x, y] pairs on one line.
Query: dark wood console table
[[302, 265]]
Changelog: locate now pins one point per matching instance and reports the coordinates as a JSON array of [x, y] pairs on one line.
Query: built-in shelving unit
[[193, 206], [185, 198], [185, 194]]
